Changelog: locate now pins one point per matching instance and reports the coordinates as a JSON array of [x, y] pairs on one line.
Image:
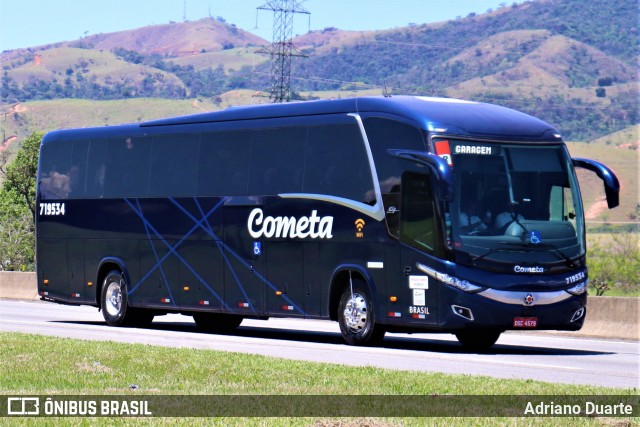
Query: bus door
[[419, 238]]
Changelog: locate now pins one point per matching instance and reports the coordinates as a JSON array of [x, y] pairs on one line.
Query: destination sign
[[474, 149]]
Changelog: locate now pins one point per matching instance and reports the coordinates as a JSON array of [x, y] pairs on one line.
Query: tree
[[18, 207], [17, 238], [20, 175]]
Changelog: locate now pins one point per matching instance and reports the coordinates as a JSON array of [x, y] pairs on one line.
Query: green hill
[[565, 61], [569, 62]]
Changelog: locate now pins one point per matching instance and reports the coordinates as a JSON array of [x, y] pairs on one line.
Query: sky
[[28, 23]]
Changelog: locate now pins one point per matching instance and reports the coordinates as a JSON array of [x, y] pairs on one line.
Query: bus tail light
[[393, 299], [463, 312]]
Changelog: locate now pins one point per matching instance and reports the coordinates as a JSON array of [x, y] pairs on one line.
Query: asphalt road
[[544, 357]]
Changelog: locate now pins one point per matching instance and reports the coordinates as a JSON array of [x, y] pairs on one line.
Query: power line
[[281, 49]]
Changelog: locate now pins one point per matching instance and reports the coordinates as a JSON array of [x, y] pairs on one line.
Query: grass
[[231, 59], [40, 365]]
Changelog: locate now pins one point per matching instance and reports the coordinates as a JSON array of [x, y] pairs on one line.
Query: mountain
[[175, 39], [569, 62]]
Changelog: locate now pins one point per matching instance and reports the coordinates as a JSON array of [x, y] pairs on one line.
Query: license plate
[[525, 322]]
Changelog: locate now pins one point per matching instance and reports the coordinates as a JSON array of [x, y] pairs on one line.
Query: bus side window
[[417, 214], [55, 182], [96, 168], [336, 163], [174, 165], [276, 156], [223, 168], [127, 171]]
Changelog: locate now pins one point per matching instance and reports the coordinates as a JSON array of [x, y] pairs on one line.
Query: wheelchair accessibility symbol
[[257, 248], [535, 237]]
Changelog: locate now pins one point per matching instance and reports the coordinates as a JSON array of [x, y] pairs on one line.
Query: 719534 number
[[52, 209]]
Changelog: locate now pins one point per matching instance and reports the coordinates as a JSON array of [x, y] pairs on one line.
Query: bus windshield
[[514, 204]]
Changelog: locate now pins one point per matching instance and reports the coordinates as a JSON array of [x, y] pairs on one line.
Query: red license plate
[[525, 322]]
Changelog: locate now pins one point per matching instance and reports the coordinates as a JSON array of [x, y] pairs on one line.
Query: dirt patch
[[197, 106], [596, 209], [7, 142], [630, 145], [17, 108]]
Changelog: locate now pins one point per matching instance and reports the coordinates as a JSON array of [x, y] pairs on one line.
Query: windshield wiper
[[489, 252], [532, 247]]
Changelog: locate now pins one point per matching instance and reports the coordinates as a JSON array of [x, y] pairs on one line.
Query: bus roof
[[446, 116], [442, 115]]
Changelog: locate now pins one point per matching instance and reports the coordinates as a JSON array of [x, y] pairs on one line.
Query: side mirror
[[439, 167], [611, 184]]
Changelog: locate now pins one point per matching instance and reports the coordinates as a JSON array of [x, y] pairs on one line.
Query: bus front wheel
[[115, 306], [356, 316]]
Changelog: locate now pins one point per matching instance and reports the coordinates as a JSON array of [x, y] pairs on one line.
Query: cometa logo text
[[312, 226]]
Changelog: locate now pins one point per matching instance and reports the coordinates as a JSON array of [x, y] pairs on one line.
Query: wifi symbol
[[359, 227]]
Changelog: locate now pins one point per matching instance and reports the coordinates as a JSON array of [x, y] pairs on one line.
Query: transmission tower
[[281, 49]]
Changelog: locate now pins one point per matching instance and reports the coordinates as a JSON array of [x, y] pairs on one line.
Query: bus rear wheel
[[356, 316], [216, 322], [478, 340], [115, 304]]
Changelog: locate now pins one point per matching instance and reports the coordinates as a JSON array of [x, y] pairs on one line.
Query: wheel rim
[[113, 299], [356, 313]]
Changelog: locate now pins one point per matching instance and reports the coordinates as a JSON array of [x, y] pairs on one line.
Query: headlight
[[463, 285], [578, 289]]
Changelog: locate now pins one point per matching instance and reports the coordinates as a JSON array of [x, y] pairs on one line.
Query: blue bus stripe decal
[[158, 262], [223, 245], [172, 250]]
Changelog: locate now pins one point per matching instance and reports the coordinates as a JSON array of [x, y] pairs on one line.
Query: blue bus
[[399, 214]]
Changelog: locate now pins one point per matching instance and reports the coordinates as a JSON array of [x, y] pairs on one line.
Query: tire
[[356, 316], [216, 322], [115, 304], [478, 340]]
